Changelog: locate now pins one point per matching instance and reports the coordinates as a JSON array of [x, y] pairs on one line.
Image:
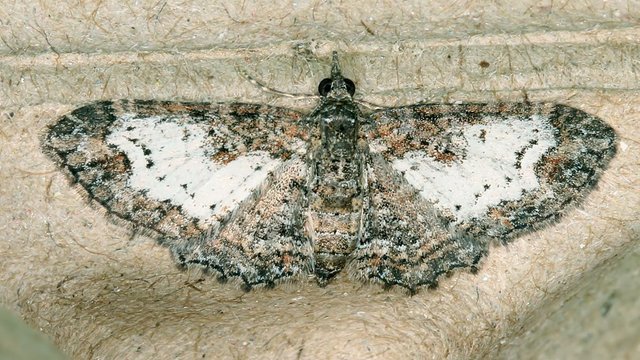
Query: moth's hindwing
[[407, 240], [265, 241]]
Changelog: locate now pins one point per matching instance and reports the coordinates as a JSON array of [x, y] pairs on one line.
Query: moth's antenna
[[271, 90], [369, 105], [335, 66]]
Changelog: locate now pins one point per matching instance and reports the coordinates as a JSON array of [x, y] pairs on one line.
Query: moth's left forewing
[[494, 169], [178, 169]]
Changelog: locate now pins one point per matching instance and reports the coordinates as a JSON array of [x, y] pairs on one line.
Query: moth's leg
[[406, 241], [264, 241]]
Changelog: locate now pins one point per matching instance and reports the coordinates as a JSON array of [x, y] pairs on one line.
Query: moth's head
[[337, 87]]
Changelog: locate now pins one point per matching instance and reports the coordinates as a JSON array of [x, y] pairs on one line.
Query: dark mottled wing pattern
[[424, 221]]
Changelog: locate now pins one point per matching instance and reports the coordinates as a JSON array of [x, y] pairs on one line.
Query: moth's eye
[[351, 87], [324, 87]]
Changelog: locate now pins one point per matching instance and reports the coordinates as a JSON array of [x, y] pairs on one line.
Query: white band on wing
[[488, 173], [170, 160]]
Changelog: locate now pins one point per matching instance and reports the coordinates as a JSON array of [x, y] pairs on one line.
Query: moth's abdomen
[[334, 215]]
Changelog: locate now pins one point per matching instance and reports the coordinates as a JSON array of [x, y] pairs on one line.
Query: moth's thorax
[[339, 126]]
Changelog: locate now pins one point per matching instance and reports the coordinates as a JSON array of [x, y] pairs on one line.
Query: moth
[[399, 196]]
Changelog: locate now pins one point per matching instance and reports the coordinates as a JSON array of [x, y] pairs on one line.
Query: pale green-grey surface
[[599, 319], [20, 342]]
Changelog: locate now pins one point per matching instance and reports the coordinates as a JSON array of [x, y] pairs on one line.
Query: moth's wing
[[265, 241], [183, 171], [407, 240], [492, 171]]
